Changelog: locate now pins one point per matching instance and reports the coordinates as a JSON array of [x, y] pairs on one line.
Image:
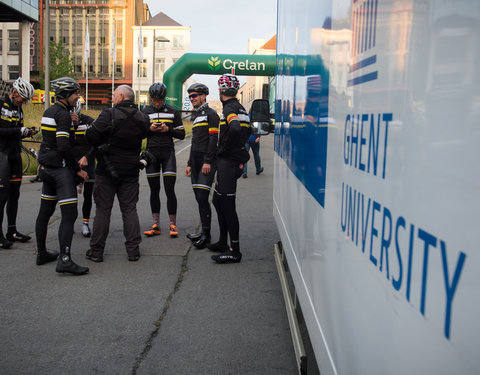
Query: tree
[[61, 64]]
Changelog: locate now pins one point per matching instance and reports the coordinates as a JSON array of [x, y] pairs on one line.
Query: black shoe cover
[[66, 265], [46, 257]]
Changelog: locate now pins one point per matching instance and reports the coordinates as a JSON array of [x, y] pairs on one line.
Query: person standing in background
[[201, 164], [253, 142], [84, 154], [167, 124]]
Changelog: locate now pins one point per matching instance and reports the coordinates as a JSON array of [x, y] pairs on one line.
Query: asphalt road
[[173, 312]]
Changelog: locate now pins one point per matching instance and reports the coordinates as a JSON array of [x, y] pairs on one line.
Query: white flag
[[112, 44], [140, 45], [86, 53]]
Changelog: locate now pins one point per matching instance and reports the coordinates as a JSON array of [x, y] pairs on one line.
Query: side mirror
[[260, 117]]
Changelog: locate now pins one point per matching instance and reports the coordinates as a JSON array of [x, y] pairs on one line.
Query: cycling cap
[[158, 90], [64, 87], [198, 87], [24, 88], [228, 84]]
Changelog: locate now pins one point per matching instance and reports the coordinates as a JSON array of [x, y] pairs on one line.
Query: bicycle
[[28, 154]]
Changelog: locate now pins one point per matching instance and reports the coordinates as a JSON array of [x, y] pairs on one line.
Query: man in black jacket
[[201, 164], [12, 130], [60, 173], [231, 155], [117, 135]]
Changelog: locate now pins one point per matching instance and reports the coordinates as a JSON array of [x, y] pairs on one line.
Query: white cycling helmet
[[24, 88]]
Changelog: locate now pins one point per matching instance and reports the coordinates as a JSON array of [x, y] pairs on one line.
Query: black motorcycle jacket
[[122, 128], [11, 121], [58, 136], [234, 131], [172, 118], [205, 133]]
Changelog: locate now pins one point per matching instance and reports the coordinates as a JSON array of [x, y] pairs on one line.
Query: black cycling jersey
[[234, 131], [204, 133], [172, 118], [11, 120], [82, 147], [58, 138]]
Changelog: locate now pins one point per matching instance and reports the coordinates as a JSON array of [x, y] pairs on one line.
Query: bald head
[[123, 92]]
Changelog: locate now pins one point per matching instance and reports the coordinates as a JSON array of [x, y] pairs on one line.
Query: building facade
[[164, 42], [257, 87]]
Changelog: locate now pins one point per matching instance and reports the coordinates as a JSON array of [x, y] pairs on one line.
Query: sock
[[156, 219], [173, 219]]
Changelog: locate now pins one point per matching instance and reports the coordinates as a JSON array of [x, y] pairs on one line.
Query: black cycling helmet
[[198, 87], [158, 90], [64, 87]]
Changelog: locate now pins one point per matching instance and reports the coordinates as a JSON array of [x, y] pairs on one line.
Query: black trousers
[[126, 190]]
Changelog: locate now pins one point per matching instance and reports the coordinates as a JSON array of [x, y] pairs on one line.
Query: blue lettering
[[358, 214], [410, 256], [343, 223], [363, 141], [365, 222], [373, 144], [386, 241], [429, 240], [354, 140], [346, 140], [387, 117], [450, 289], [351, 212], [374, 232], [398, 283]]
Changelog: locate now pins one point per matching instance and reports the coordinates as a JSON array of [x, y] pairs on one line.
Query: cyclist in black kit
[[12, 130], [84, 154], [60, 173], [201, 165], [167, 125], [231, 155]]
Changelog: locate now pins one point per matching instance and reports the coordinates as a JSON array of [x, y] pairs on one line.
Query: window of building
[[118, 69], [159, 44], [104, 61], [159, 68], [13, 72], [1, 71], [77, 64], [142, 68], [178, 41], [1, 41], [13, 40]]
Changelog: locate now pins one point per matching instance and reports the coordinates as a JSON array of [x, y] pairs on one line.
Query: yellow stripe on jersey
[[200, 124], [231, 117]]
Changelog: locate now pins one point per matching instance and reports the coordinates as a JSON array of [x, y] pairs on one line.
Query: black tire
[[25, 160]]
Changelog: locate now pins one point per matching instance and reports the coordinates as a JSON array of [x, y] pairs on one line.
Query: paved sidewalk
[[173, 312]]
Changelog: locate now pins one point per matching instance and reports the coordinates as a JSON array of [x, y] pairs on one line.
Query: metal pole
[[46, 61], [153, 53], [86, 78]]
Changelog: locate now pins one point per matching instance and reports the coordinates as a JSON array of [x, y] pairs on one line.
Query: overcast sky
[[219, 26]]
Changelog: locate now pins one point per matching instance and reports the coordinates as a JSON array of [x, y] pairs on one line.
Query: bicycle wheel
[[25, 160]]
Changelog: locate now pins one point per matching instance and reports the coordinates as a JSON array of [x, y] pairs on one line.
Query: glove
[[25, 132]]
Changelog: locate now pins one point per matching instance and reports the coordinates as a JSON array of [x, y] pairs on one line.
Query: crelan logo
[[214, 63]]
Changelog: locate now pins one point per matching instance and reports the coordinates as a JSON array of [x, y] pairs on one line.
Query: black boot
[[4, 243], [46, 257], [204, 240], [194, 236], [66, 265]]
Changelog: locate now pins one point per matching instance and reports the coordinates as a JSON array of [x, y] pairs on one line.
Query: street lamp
[[156, 39]]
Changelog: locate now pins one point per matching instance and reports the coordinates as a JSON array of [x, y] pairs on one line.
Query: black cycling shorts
[[228, 172], [58, 185], [199, 180], [10, 169], [165, 161]]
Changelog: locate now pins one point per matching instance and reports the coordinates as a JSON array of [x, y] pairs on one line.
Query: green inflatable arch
[[204, 63]]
